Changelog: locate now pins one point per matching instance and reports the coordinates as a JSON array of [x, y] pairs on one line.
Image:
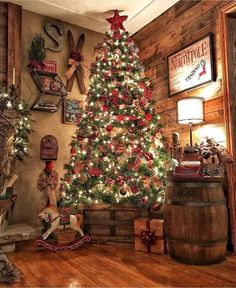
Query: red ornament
[[114, 101], [90, 114], [131, 129], [114, 92], [121, 180], [73, 150], [103, 98], [134, 189], [148, 156], [136, 150], [109, 181], [131, 117], [148, 117], [104, 108], [107, 74], [156, 206], [120, 117], [137, 164], [117, 21], [62, 187], [109, 128], [78, 119], [94, 135], [144, 200], [95, 172], [141, 123]]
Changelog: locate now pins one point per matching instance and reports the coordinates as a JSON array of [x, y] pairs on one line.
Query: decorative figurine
[[49, 148], [58, 221], [176, 149]]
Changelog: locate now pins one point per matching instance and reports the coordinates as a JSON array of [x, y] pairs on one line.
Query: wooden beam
[[14, 43]]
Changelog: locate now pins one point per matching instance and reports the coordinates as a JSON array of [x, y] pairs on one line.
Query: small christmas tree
[[117, 154], [37, 51]]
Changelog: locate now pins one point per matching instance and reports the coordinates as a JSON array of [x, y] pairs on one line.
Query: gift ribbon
[[148, 237], [74, 65]]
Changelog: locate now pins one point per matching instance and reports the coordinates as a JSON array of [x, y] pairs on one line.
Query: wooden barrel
[[195, 220]]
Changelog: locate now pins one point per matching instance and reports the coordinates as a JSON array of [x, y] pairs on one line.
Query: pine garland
[[37, 52], [22, 122]]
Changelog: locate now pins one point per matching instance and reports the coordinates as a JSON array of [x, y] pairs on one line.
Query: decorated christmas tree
[[117, 154]]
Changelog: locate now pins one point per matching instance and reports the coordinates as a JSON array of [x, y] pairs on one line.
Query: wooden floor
[[115, 266]]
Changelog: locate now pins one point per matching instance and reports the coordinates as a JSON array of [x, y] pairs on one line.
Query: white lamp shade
[[190, 110]]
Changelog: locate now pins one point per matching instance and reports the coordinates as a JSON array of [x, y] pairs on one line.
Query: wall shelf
[[53, 91]]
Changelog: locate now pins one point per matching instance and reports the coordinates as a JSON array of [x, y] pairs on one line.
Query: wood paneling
[[10, 42], [14, 42], [181, 25], [115, 266], [3, 42], [228, 40], [183, 6]]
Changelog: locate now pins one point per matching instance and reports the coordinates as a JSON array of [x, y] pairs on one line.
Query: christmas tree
[[117, 154]]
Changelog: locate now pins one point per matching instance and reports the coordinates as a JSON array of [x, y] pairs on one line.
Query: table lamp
[[190, 110]]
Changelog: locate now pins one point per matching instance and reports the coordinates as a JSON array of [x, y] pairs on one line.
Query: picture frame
[[71, 111], [191, 67]]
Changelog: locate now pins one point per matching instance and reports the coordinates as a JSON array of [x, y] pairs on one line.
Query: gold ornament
[[63, 195], [123, 191], [121, 141], [107, 190], [83, 178]]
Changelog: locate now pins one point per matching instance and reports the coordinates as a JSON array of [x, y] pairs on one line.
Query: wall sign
[[54, 30], [71, 111], [191, 67]]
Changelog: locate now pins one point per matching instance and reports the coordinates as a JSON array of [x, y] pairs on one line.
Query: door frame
[[229, 115]]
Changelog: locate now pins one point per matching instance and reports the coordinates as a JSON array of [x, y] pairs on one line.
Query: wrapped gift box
[[66, 235], [149, 235]]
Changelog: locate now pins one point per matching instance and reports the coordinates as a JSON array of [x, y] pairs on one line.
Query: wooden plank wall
[[14, 43], [180, 26], [10, 42], [3, 42]]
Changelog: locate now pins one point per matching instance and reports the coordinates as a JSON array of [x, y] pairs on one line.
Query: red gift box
[[149, 235]]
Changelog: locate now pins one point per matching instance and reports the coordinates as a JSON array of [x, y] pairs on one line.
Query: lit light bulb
[[9, 105]]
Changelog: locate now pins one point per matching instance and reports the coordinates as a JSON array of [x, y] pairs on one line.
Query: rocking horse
[[51, 215]]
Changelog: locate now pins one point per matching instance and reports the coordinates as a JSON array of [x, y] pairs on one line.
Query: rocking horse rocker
[[54, 218]]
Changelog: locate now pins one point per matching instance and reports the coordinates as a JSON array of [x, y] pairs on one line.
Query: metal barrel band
[[199, 242], [198, 262], [195, 203]]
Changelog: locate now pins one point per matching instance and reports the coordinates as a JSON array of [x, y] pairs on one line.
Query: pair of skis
[[78, 73]]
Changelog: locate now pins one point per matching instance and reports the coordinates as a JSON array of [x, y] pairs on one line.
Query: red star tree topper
[[117, 21]]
